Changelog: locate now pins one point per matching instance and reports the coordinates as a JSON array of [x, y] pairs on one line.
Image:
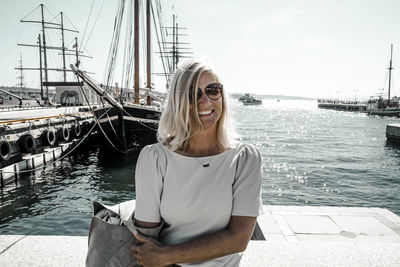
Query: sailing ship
[[385, 107], [67, 90], [126, 119], [130, 125]]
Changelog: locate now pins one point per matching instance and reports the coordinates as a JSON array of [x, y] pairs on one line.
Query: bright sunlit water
[[311, 157]]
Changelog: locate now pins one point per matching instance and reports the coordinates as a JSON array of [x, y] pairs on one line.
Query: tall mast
[[46, 77], [148, 61], [390, 70], [20, 77], [77, 62], [40, 68], [176, 59], [136, 61], [63, 46], [173, 44]]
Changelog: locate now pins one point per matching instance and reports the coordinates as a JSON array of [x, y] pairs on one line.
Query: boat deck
[[37, 113], [296, 236]]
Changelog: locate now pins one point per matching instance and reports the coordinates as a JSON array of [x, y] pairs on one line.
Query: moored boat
[[132, 121], [248, 100], [385, 107]]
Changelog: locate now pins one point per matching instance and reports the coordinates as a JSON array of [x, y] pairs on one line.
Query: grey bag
[[111, 235]]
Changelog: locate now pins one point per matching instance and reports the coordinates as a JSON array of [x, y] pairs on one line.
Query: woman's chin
[[207, 124]]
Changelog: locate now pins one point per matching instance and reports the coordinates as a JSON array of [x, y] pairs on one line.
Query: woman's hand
[[149, 251]]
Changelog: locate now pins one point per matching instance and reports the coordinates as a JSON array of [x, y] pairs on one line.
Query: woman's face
[[209, 110]]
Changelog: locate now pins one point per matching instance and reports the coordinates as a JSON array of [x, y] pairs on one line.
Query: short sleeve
[[150, 168], [247, 184]]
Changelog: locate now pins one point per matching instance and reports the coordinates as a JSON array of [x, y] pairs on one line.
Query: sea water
[[311, 157]]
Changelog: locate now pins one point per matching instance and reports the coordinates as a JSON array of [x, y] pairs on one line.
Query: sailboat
[[130, 125], [385, 107]]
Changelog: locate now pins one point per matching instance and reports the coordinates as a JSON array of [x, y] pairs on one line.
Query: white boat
[[248, 100]]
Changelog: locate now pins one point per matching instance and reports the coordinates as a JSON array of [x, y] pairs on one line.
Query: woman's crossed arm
[[230, 240]]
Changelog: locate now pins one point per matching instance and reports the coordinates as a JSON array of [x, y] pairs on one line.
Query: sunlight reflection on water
[[310, 157]]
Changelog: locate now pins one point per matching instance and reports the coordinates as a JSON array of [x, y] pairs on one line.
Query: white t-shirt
[[194, 200]]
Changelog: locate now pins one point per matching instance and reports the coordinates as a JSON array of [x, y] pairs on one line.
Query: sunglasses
[[213, 92]]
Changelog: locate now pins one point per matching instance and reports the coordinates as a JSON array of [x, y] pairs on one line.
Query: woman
[[205, 188]]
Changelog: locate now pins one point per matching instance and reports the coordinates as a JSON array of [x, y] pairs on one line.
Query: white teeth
[[205, 112]]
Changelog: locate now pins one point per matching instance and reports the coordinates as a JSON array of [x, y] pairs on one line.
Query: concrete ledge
[[17, 251], [319, 223], [275, 253], [296, 236], [42, 251]]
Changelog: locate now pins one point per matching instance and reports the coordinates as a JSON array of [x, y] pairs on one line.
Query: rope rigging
[[112, 56], [168, 69], [95, 22], [159, 43], [87, 21], [30, 13], [384, 83], [128, 55]]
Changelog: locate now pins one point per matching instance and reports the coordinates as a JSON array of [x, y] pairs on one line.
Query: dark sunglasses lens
[[214, 90]]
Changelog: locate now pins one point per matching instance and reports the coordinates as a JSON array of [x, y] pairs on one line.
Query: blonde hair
[[177, 124]]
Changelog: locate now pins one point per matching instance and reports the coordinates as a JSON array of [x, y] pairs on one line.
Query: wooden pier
[[30, 138], [344, 107], [32, 162]]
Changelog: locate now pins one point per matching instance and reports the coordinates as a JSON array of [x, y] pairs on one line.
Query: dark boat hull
[[129, 130], [386, 112]]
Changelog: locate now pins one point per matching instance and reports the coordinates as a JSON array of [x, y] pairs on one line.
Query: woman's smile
[[205, 113]]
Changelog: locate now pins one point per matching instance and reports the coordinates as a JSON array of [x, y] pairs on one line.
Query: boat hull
[[131, 129], [386, 112], [246, 103]]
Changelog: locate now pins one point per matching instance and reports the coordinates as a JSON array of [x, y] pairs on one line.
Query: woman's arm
[[233, 239]]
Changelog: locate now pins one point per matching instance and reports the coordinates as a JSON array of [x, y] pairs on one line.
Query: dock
[[393, 132], [295, 236], [32, 137], [344, 107]]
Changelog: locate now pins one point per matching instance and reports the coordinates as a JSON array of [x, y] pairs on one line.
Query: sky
[[310, 48]]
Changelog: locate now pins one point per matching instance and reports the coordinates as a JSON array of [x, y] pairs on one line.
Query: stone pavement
[[296, 236], [314, 223]]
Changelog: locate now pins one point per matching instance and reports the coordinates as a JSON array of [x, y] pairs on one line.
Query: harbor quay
[[28, 142], [295, 236], [344, 106], [393, 132]]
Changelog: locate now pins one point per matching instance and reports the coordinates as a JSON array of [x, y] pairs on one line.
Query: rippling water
[[311, 157]]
